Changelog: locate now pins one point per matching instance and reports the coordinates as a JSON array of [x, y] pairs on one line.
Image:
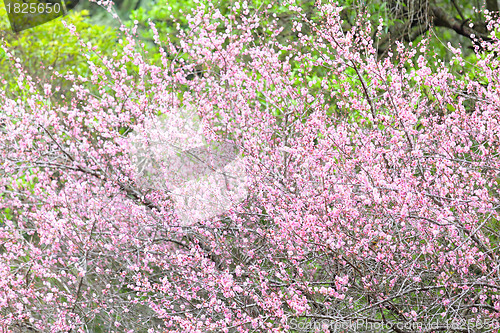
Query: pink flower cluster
[[372, 186]]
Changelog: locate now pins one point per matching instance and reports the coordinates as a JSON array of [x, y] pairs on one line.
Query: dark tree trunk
[[492, 5]]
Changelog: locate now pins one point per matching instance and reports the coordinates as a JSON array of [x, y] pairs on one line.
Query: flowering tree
[[372, 186]]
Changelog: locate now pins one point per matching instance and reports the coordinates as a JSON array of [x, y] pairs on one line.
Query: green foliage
[[171, 16], [52, 46], [166, 15]]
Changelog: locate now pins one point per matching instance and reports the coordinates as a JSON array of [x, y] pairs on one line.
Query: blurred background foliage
[[51, 47]]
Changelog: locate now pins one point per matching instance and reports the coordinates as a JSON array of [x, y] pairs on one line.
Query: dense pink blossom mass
[[372, 187]]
